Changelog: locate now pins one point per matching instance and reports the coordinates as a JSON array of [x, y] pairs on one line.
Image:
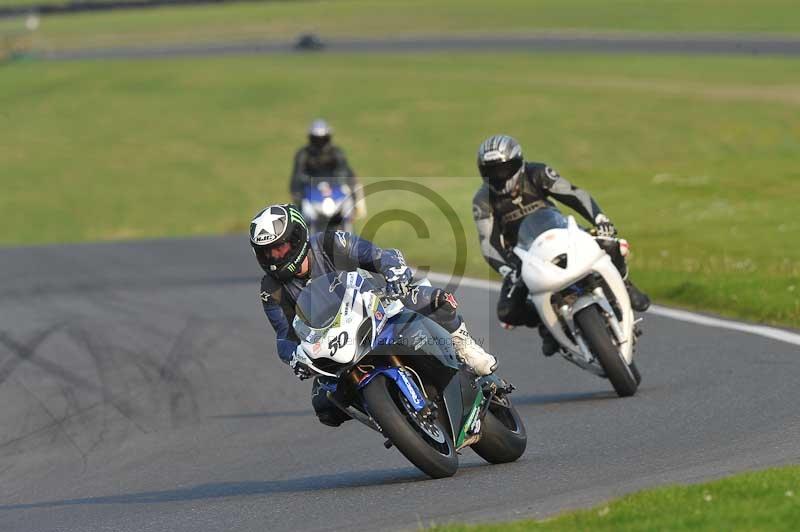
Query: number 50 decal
[[337, 341]]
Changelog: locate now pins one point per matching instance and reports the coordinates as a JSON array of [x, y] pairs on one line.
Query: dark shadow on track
[[218, 490], [277, 413]]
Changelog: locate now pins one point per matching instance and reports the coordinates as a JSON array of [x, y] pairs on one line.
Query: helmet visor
[[319, 141], [496, 175], [276, 254]]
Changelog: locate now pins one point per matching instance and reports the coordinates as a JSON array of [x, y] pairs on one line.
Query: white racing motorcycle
[[580, 297]]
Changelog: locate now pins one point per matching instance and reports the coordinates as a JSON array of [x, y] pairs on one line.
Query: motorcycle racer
[[290, 258], [513, 188], [320, 158]]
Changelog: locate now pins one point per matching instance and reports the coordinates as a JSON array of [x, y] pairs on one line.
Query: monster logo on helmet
[[270, 230]]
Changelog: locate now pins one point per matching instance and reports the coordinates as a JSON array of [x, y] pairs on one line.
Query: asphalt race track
[[632, 42], [140, 390]]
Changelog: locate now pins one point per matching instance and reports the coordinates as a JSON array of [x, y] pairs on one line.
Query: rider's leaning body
[[290, 258], [513, 189], [499, 216]]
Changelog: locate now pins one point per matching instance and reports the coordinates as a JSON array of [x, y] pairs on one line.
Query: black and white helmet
[[273, 228], [319, 133], [500, 163]]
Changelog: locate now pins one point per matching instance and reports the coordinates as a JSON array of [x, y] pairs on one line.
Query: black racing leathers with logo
[[312, 162], [498, 217], [343, 251]]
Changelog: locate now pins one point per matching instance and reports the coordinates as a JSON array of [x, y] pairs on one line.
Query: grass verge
[[282, 20], [695, 158], [764, 500]]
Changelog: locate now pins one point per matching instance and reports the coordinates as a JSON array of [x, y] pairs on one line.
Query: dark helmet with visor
[[270, 231], [500, 162], [319, 133]]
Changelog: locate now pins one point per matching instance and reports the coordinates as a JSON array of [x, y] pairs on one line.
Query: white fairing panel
[[339, 344], [584, 257], [541, 275]]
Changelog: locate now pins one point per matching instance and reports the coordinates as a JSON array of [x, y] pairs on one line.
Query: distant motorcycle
[[580, 297], [327, 205], [398, 374]]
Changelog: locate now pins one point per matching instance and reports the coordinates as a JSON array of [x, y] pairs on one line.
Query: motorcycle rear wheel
[[596, 333], [411, 436]]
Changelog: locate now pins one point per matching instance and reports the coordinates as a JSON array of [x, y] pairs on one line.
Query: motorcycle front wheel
[[598, 336], [424, 442]]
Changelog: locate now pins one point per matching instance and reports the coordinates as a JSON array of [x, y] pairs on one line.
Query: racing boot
[[639, 300], [471, 353], [549, 344]]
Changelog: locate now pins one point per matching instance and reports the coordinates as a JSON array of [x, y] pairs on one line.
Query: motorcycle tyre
[[595, 331], [397, 428], [500, 443]]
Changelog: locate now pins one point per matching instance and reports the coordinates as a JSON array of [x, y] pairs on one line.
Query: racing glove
[[299, 365], [603, 227], [509, 274], [397, 280]]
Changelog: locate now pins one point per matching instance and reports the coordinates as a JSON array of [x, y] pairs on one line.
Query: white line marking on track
[[657, 310]]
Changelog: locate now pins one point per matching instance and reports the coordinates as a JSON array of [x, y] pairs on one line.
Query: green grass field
[[765, 500], [285, 20], [696, 159]]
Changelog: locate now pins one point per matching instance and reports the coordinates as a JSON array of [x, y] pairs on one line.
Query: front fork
[[567, 313], [490, 386], [405, 383]]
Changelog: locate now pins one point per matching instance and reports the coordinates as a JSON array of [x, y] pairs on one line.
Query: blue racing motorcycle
[[396, 372], [327, 205]]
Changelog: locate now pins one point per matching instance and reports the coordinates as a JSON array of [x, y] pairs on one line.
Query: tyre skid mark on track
[[58, 423], [150, 387], [121, 405], [24, 350]]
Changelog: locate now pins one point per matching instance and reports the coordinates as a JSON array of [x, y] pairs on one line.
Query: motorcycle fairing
[[414, 334], [543, 277], [404, 382], [418, 334], [326, 200]]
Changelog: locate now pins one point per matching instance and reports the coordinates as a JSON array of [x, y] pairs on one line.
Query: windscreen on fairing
[[317, 307], [537, 223]]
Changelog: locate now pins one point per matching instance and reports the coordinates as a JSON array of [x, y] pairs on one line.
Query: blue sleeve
[[348, 251], [363, 253], [286, 340]]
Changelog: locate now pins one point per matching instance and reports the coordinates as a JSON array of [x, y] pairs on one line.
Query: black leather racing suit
[[498, 219], [343, 251], [312, 162]]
